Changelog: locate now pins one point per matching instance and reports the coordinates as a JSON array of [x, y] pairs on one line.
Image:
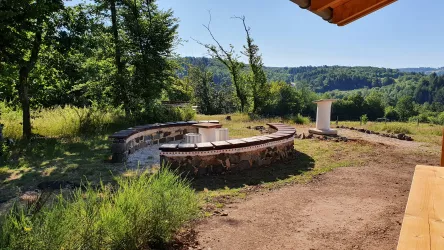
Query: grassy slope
[[75, 158], [423, 132]]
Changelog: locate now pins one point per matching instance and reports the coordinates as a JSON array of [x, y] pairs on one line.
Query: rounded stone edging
[[232, 155], [127, 141], [205, 158]]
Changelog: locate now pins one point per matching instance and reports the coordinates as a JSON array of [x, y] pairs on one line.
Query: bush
[[439, 119], [161, 113], [299, 119], [364, 119], [139, 213], [391, 113]]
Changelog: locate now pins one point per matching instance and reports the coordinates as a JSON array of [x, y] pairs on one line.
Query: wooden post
[[442, 150]]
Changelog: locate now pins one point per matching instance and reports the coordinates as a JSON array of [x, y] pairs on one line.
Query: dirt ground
[[358, 207]]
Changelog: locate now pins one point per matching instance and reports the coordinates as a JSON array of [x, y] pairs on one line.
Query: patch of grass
[[314, 158], [423, 132], [299, 119], [322, 152], [140, 213], [50, 159], [239, 122], [61, 122]]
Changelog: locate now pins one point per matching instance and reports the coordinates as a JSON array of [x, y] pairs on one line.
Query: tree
[[120, 80], [405, 108], [202, 79], [151, 35], [258, 79], [231, 61], [25, 28], [374, 107]]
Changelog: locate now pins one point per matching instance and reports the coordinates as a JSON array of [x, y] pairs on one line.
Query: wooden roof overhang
[[342, 12]]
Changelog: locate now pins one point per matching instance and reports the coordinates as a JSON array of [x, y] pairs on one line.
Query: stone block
[[118, 148], [244, 165], [118, 157], [234, 158]]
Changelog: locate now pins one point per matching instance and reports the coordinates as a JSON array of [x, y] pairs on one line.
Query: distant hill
[[340, 81], [425, 70], [319, 79]]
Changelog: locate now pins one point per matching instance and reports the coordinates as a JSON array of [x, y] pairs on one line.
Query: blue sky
[[404, 34]]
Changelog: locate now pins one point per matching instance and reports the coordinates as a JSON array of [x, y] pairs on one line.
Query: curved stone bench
[[231, 155], [126, 142]]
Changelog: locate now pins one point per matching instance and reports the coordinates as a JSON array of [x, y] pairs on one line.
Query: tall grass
[[424, 132], [60, 121], [70, 121], [140, 213]]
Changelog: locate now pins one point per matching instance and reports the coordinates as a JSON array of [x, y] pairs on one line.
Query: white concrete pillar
[[323, 116]]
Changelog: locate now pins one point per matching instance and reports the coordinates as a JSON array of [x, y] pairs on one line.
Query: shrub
[[187, 113], [299, 119], [139, 213], [254, 116], [439, 119], [364, 119], [391, 113]]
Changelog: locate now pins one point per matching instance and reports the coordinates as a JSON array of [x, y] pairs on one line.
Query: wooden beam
[[423, 224], [442, 150], [355, 9], [319, 5]]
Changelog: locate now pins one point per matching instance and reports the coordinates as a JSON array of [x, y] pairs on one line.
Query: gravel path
[[147, 157]]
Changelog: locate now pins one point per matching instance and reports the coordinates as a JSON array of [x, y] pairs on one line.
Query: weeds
[[73, 121], [140, 213], [299, 119]]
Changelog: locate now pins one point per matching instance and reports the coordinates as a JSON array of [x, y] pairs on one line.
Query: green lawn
[[76, 159], [424, 132]]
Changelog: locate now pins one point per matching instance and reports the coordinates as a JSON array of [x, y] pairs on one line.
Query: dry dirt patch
[[357, 207]]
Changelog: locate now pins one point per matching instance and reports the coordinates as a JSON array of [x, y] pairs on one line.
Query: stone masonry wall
[[126, 142], [218, 163], [232, 155]]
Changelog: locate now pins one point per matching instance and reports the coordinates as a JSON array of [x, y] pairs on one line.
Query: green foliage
[[364, 119], [439, 119], [284, 99], [158, 113], [72, 121], [209, 97], [390, 113], [405, 108], [299, 119], [140, 213], [257, 79], [63, 122]]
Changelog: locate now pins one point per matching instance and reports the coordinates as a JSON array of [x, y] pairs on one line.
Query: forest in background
[[120, 56], [374, 92]]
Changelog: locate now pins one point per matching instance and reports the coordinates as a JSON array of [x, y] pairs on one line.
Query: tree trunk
[[23, 86], [118, 60], [24, 100]]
